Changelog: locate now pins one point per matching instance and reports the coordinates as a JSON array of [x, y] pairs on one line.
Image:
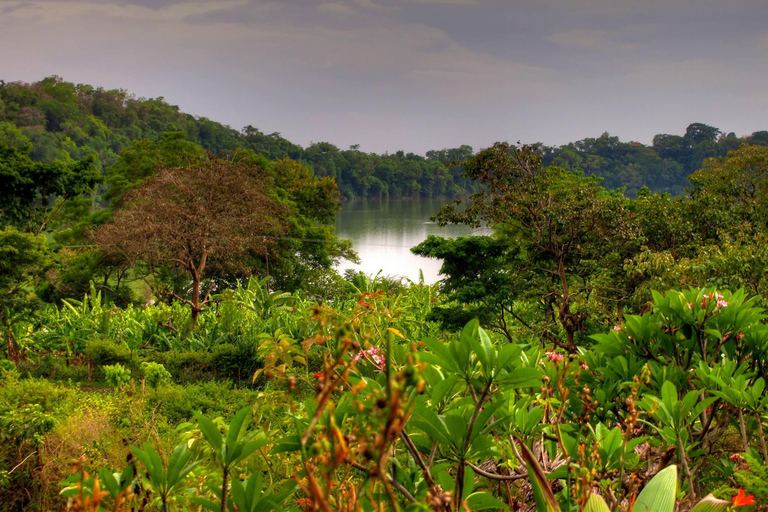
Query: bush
[[104, 351], [7, 370], [53, 368], [237, 363], [179, 403], [117, 375], [185, 367], [155, 374]]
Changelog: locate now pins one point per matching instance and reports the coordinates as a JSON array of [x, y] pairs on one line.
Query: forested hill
[[67, 121]]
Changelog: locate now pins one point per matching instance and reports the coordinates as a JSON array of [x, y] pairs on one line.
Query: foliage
[[22, 258], [117, 375], [557, 236], [196, 220], [29, 186], [155, 374], [66, 120]]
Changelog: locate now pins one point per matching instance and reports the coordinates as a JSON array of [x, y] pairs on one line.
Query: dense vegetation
[[175, 336], [67, 121]]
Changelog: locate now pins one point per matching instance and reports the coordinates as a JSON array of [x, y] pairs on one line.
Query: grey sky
[[413, 74]]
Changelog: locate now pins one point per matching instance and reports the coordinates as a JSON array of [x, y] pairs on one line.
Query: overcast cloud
[[413, 74]]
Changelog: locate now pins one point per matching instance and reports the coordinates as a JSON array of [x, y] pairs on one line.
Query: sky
[[413, 74]]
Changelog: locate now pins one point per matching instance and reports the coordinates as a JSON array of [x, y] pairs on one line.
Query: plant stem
[[743, 431], [684, 459], [224, 482], [458, 488]]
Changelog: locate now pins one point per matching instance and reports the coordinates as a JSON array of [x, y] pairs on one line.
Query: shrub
[[104, 351], [53, 368], [185, 367], [117, 375], [155, 374], [237, 363], [179, 403], [7, 370]]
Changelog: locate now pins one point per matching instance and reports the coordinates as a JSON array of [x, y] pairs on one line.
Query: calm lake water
[[383, 232]]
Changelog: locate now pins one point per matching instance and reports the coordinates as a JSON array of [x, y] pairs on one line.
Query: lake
[[383, 232]]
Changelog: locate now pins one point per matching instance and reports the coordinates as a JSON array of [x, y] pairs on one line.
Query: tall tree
[[33, 193], [208, 217], [22, 258], [563, 228]]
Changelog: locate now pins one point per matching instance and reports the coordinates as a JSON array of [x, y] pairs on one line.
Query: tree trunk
[[762, 437], [195, 298], [13, 354]]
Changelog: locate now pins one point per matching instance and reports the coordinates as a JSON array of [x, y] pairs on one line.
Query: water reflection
[[383, 232]]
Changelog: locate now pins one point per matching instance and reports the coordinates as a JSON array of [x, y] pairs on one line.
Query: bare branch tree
[[198, 219]]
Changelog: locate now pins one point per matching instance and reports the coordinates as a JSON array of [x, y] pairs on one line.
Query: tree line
[[67, 121]]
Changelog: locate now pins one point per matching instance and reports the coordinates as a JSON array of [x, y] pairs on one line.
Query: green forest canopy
[[67, 121]]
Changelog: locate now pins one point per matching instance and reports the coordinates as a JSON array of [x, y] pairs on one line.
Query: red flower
[[317, 375], [363, 304], [740, 500], [304, 501]]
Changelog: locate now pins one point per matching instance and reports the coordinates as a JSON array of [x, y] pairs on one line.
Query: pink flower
[[554, 357], [373, 354], [690, 304], [616, 328], [721, 304]]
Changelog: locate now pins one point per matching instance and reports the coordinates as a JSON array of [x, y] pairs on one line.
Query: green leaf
[[430, 423], [484, 501], [711, 504], [659, 494], [669, 394], [210, 432], [242, 417], [521, 378], [251, 447], [596, 503], [542, 493], [442, 388], [207, 504], [287, 444]]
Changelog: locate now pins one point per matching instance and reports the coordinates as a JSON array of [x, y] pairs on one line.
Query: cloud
[[600, 40], [447, 2], [336, 8], [412, 74]]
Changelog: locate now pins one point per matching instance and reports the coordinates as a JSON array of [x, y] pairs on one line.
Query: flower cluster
[[713, 296], [554, 357], [373, 354]]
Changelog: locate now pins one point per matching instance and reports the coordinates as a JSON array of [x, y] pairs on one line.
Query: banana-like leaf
[[659, 494], [596, 503], [542, 492], [711, 504]]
